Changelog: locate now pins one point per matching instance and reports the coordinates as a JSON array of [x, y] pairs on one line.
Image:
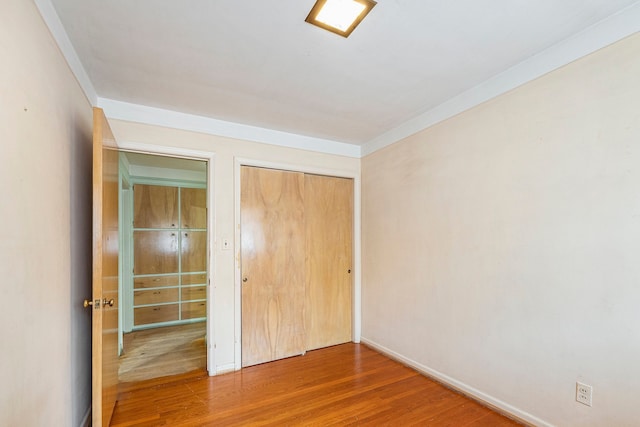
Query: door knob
[[245, 279], [90, 303], [106, 302]]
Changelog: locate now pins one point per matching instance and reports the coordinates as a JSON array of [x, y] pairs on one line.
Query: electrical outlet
[[584, 393]]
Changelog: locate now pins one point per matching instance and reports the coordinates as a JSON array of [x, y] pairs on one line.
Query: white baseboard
[[86, 420], [225, 369], [463, 388]]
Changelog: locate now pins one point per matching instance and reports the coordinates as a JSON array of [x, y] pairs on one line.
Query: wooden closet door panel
[[156, 314], [193, 208], [194, 251], [155, 296], [194, 293], [272, 251], [194, 279], [155, 252], [155, 282], [193, 310], [329, 247], [155, 206]]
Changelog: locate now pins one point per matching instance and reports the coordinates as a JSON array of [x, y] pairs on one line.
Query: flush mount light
[[339, 16]]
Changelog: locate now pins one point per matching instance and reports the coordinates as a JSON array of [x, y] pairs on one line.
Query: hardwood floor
[[158, 352], [349, 384]]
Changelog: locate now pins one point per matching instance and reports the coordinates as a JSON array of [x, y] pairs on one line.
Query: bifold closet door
[[328, 207], [273, 264]]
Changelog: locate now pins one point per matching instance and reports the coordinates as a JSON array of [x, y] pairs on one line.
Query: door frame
[[209, 157], [356, 308]]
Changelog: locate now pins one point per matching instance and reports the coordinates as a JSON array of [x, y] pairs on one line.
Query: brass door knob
[[87, 303], [106, 302], [245, 279]]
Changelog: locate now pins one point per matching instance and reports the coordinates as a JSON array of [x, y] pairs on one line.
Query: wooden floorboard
[[345, 385], [159, 352]]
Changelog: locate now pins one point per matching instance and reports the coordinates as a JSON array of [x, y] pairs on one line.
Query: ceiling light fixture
[[339, 16]]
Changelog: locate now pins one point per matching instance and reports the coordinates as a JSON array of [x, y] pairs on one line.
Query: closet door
[[170, 254], [155, 254], [193, 208], [329, 247], [273, 264], [193, 223], [155, 206]]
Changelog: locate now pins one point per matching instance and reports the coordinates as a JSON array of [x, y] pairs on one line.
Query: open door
[[105, 272]]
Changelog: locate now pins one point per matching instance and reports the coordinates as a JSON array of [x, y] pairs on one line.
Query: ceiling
[[258, 63]]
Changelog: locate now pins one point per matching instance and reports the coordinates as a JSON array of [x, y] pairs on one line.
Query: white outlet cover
[[584, 394]]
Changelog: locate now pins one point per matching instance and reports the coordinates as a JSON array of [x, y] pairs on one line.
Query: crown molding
[[52, 20], [608, 31], [156, 116]]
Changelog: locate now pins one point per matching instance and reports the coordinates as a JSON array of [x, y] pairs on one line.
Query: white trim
[[211, 244], [167, 174], [52, 20], [156, 116], [340, 173], [127, 267], [237, 281], [163, 150], [610, 30], [357, 249], [459, 386], [225, 369], [122, 300]]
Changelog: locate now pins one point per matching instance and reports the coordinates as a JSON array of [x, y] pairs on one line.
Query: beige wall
[[45, 125], [501, 248], [226, 150]]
